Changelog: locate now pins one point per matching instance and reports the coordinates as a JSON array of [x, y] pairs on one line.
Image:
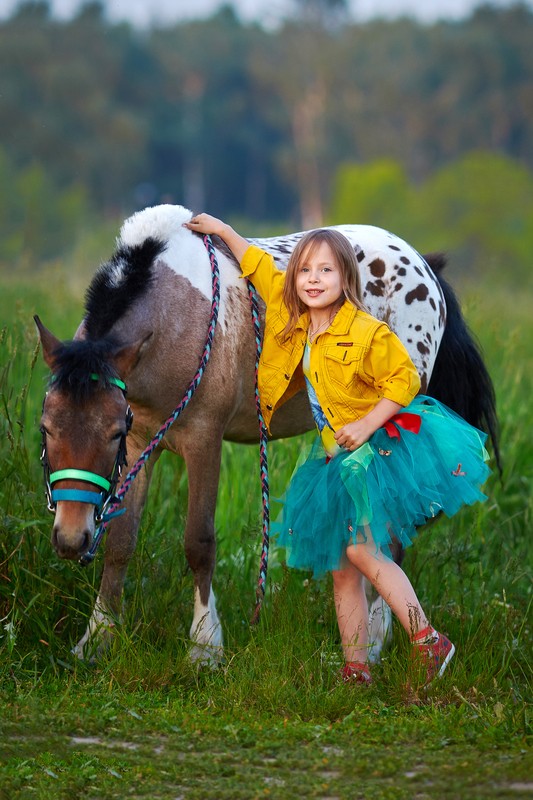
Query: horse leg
[[119, 548], [379, 625], [203, 469]]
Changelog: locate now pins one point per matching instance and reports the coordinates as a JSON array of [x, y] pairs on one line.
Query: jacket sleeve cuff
[[401, 395]]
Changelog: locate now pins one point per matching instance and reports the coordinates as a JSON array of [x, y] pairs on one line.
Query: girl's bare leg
[[392, 584], [352, 612]]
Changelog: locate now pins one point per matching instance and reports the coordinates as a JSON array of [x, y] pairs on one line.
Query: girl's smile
[[319, 281]]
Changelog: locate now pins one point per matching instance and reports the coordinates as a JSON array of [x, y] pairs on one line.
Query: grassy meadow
[[274, 720]]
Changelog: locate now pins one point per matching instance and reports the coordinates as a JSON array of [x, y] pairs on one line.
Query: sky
[[267, 12]]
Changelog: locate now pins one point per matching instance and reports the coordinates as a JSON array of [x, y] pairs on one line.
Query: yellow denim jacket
[[354, 363]]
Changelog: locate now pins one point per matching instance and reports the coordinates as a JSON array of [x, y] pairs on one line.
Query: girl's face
[[319, 282]]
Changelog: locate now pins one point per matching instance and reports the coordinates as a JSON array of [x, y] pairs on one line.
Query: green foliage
[[99, 119], [37, 220], [483, 203], [377, 193], [480, 208]]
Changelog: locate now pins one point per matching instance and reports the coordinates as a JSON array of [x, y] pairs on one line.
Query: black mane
[[118, 284], [75, 362]]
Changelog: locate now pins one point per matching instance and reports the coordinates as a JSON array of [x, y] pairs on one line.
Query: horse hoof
[[209, 656], [84, 653]]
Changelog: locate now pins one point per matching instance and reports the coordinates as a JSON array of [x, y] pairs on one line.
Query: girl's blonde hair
[[345, 260]]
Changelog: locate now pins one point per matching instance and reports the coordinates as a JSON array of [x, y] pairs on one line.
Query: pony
[[147, 311]]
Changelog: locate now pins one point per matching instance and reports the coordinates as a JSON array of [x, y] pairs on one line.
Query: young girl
[[377, 471]]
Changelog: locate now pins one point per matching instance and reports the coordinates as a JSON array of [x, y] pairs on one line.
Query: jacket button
[[269, 408], [287, 377]]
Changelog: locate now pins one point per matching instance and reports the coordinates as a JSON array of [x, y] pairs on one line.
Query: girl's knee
[[357, 554], [346, 577], [365, 558]]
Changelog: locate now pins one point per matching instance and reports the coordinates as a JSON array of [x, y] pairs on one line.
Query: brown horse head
[[84, 423]]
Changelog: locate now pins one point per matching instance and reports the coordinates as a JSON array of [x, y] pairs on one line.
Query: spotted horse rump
[[399, 287]]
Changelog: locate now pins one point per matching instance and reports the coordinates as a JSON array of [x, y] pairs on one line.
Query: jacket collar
[[342, 320]]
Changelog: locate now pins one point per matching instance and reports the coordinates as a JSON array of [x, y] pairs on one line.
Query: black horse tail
[[460, 378]]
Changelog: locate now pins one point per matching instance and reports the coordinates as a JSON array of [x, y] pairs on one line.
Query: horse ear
[[127, 357], [49, 342], [81, 332]]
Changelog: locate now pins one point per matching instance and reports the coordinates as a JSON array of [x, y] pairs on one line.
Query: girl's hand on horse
[[206, 224]]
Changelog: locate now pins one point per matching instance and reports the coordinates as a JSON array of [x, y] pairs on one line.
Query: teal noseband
[[78, 495]]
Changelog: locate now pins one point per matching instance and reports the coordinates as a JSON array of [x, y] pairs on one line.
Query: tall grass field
[[274, 720]]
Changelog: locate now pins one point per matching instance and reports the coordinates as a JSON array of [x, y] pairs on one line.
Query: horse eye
[[117, 436]]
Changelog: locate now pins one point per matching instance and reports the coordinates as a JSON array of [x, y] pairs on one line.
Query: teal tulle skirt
[[385, 489]]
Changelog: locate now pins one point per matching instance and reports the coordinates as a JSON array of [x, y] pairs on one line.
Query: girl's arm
[[354, 434], [205, 223], [256, 264]]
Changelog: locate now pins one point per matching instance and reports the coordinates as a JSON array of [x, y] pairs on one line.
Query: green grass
[[126, 745], [273, 721]]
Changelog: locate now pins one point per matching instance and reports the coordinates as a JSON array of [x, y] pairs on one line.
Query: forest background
[[426, 130]]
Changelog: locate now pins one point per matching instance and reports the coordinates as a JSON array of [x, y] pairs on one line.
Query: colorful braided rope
[[263, 441], [149, 449]]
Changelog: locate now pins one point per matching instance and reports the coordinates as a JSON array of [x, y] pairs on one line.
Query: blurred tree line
[[426, 130]]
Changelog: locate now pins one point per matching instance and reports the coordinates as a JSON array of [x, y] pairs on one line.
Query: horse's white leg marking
[[206, 632], [379, 629], [98, 634]]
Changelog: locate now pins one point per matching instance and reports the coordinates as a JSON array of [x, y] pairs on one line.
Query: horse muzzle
[[73, 531]]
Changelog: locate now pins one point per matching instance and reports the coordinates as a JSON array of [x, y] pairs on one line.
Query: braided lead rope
[[147, 452], [263, 441]]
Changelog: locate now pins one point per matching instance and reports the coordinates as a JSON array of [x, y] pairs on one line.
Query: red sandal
[[429, 659], [356, 672]]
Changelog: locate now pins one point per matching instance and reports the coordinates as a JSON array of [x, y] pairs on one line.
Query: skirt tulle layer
[[385, 489]]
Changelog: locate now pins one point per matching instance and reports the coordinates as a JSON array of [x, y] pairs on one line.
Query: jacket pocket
[[343, 364]]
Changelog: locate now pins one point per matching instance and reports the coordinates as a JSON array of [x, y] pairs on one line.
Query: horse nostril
[[68, 546]]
